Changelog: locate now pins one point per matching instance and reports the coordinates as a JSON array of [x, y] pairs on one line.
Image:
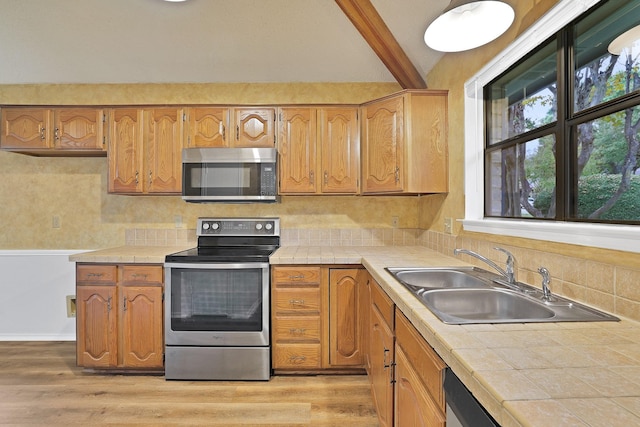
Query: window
[[550, 129], [563, 126]]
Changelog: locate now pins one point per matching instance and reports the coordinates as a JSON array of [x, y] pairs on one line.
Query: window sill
[[617, 237]]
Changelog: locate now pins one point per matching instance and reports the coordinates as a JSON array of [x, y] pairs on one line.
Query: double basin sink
[[471, 295]]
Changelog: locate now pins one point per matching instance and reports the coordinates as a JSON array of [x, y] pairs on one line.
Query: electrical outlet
[[71, 306], [55, 222], [178, 221], [395, 221], [448, 225]]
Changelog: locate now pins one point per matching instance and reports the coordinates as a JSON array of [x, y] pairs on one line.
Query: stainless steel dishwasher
[[463, 410]]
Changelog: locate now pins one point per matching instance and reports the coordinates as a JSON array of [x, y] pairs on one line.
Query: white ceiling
[[201, 41]]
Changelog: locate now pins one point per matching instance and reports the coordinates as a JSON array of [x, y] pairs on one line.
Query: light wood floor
[[40, 385]]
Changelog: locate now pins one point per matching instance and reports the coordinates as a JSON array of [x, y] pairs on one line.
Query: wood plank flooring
[[41, 385]]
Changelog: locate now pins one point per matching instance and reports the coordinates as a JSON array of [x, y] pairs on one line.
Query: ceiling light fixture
[[467, 24], [630, 39]]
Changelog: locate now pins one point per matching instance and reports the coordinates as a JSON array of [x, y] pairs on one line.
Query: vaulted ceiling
[[210, 41]]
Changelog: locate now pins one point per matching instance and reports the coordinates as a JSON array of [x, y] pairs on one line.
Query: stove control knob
[[269, 226], [258, 226], [215, 225], [205, 226]]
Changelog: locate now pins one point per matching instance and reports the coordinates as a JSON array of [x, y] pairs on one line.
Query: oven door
[[217, 304]]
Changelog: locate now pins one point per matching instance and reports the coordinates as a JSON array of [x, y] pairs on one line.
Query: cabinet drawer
[[296, 356], [96, 273], [426, 362], [142, 273], [296, 328], [383, 303], [296, 275], [304, 301]]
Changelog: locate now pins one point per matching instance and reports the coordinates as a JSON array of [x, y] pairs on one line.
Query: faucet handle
[[511, 260], [546, 279]]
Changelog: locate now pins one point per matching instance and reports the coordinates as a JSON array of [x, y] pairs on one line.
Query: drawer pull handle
[[385, 364], [296, 302], [296, 277], [297, 331], [297, 359], [95, 275], [139, 276]]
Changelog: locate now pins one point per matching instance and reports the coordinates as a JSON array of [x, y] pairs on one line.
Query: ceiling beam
[[364, 16]]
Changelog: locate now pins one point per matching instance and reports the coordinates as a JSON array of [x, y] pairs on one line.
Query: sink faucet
[[509, 273]]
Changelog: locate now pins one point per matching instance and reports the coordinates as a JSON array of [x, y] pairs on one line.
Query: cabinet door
[[297, 149], [382, 354], [142, 333], [26, 128], [97, 339], [163, 147], [383, 146], [254, 127], [125, 151], [413, 405], [345, 337], [79, 129], [339, 145], [208, 127]]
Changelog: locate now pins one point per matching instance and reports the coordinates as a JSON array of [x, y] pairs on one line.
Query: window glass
[[607, 161], [524, 98], [601, 75], [522, 180]]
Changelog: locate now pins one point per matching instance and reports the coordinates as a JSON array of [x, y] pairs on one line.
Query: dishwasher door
[[463, 410]]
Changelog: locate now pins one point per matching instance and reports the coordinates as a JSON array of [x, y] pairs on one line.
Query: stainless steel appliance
[[239, 175], [217, 301]]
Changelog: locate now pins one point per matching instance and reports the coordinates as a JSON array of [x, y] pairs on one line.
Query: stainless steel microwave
[[229, 175]]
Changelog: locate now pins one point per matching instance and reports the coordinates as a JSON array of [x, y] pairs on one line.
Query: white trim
[[617, 237]]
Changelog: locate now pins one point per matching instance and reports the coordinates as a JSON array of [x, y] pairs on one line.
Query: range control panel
[[238, 227]]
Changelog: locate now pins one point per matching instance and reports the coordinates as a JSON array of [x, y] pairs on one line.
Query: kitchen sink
[[460, 306], [472, 295]]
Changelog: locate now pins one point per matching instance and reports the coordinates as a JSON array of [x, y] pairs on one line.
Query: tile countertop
[[536, 374], [129, 254]]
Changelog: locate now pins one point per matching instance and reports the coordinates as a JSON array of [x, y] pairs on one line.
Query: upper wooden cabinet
[[404, 143], [145, 149], [57, 131], [231, 127], [319, 150]]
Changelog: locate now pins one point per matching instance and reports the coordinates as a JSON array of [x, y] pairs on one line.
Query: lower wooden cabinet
[[381, 353], [406, 374], [315, 319], [419, 375], [119, 320]]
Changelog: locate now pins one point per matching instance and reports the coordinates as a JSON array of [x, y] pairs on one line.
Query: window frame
[[607, 236]]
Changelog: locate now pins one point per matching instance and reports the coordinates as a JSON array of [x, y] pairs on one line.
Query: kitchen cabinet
[[345, 328], [315, 319], [145, 150], [214, 126], [419, 374], [381, 353], [296, 321], [119, 316], [319, 150], [404, 143], [54, 131]]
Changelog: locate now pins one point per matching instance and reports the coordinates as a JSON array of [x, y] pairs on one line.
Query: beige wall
[[605, 278], [33, 190]]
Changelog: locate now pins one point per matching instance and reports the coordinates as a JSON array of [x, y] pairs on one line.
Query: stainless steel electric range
[[217, 302]]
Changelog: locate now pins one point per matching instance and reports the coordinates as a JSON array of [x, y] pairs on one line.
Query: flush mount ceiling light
[[467, 24], [629, 39]]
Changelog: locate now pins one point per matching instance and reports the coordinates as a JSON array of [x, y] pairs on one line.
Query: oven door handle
[[217, 265]]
